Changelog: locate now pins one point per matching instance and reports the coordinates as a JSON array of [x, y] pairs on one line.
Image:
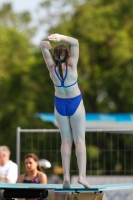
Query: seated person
[[33, 174], [8, 169]]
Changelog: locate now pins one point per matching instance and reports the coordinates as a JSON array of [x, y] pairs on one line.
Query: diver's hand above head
[[55, 37], [46, 45]]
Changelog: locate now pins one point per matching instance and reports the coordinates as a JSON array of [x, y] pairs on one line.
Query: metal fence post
[[18, 149]]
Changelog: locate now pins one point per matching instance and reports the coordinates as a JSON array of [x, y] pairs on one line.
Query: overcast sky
[[22, 5], [31, 6]]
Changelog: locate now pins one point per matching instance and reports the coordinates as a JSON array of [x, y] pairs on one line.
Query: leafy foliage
[[105, 33], [105, 63], [18, 85]]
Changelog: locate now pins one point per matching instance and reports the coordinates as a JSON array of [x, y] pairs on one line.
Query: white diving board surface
[[74, 188]]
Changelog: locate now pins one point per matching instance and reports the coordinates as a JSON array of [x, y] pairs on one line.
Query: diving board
[[40, 191], [59, 187]]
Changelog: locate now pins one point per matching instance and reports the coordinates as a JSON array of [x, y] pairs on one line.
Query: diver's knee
[[79, 142], [66, 142]]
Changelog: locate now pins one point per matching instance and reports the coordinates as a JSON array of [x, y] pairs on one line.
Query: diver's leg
[[66, 144], [78, 124]]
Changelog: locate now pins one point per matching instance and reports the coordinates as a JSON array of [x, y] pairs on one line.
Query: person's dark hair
[[35, 158], [58, 50]]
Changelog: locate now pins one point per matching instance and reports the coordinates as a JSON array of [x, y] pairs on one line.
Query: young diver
[[69, 108]]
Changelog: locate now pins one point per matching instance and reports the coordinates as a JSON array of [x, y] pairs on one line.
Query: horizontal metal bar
[[106, 130]]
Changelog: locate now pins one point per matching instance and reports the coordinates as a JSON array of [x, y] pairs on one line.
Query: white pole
[[18, 149]]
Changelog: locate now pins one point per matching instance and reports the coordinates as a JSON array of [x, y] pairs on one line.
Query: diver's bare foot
[[66, 185], [83, 182]]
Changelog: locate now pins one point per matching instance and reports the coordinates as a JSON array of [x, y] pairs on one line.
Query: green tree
[[105, 32], [105, 63], [20, 21], [18, 85]]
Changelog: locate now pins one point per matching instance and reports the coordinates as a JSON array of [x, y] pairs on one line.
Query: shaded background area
[[108, 153]]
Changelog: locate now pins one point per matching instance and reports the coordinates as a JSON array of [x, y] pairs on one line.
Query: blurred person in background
[[34, 173], [8, 169]]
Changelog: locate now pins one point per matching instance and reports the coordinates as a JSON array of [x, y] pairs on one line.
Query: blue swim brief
[[67, 107]]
